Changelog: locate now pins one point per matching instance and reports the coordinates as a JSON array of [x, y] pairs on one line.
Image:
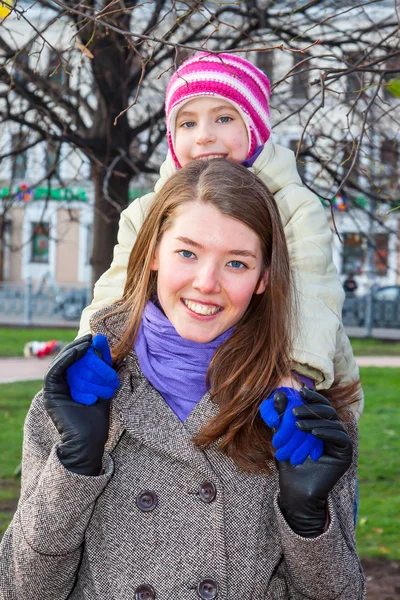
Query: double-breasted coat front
[[166, 520]]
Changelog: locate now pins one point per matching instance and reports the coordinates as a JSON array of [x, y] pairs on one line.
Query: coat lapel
[[145, 415], [139, 409]]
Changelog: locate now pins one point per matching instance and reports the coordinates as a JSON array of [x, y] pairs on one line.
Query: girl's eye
[[186, 254], [236, 264], [188, 124], [224, 119]]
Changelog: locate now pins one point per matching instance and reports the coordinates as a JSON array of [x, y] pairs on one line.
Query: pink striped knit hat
[[224, 76]]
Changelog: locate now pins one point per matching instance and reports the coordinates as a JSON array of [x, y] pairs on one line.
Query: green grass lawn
[[13, 340], [378, 530], [15, 399], [372, 347]]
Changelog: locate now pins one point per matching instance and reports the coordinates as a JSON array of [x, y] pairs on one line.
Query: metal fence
[[367, 311], [41, 304], [44, 304]]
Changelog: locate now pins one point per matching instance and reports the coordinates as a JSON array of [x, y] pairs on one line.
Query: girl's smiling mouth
[[210, 156], [204, 310]]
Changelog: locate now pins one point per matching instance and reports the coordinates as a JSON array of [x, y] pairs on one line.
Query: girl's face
[[209, 266], [210, 127]]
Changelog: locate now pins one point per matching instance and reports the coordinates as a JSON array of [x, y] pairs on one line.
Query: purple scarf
[[175, 367]]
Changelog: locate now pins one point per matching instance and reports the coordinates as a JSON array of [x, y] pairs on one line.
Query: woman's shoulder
[[110, 321]]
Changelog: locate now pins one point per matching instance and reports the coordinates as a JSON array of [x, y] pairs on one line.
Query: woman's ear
[[263, 282], [154, 261]]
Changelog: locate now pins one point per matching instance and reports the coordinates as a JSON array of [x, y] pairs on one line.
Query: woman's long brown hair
[[249, 365]]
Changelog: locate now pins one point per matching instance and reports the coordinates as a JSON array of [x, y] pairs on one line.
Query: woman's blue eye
[[186, 254], [225, 119], [236, 264], [188, 124]]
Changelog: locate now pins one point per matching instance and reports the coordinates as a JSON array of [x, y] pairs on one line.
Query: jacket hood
[[276, 167]]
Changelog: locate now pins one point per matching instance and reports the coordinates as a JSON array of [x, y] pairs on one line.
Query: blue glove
[[93, 377], [290, 442]]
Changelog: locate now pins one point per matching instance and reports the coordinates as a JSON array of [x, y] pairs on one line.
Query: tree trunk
[[106, 217]]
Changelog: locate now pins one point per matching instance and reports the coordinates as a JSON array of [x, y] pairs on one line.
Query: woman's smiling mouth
[[201, 309]]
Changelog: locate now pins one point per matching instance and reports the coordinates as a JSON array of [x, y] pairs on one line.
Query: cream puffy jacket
[[321, 348]]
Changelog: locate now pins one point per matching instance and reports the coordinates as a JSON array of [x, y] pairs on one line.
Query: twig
[[357, 151], [144, 64], [107, 177]]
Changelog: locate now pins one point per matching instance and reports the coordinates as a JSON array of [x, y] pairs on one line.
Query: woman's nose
[[207, 280]]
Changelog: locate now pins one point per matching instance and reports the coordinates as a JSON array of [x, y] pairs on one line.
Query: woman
[[171, 491]]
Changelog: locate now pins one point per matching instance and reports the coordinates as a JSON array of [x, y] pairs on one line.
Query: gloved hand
[[304, 488], [83, 429], [290, 443], [92, 376]]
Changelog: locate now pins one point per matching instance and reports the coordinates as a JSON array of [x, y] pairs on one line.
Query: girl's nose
[[207, 281], [205, 135]]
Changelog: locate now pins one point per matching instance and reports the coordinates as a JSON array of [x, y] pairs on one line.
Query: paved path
[[27, 369], [378, 361], [23, 369]]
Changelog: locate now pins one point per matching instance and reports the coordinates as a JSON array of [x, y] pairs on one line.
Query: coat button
[[207, 491], [146, 501], [145, 592], [207, 589]]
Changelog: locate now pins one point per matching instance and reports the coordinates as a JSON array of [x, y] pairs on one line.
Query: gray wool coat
[[166, 520]]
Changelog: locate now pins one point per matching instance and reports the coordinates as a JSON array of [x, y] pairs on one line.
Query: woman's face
[[209, 266]]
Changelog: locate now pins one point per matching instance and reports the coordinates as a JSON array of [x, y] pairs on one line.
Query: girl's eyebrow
[[224, 107], [235, 252], [187, 113]]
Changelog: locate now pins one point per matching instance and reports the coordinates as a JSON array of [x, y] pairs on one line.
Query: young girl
[[170, 492], [218, 106]]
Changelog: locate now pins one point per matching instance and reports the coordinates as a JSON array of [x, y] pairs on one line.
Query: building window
[[56, 70], [301, 166], [381, 253], [52, 158], [300, 77], [40, 243], [21, 62], [19, 156], [354, 253], [355, 80], [355, 248], [347, 160], [265, 62], [389, 163]]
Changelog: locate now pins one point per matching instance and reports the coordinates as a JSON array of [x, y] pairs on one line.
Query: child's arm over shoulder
[[319, 293], [111, 284]]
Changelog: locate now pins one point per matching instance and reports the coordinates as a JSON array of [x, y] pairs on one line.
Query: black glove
[[83, 429], [304, 488]]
